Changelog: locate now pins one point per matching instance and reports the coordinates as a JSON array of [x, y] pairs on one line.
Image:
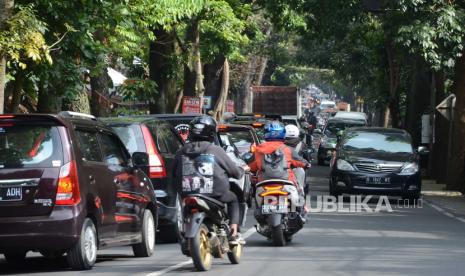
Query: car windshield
[[243, 140], [30, 146], [382, 142], [333, 127]]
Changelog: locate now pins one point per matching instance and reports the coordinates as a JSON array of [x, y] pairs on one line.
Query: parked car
[[243, 137], [329, 139], [160, 141], [376, 161], [68, 186]]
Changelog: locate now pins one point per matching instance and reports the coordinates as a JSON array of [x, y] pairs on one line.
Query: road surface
[[407, 241]]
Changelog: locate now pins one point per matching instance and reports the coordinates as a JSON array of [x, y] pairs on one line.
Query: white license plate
[[11, 194], [274, 209], [378, 180]]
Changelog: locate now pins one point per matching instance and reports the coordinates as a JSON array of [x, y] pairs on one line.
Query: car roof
[[129, 120], [345, 120], [235, 126], [381, 130], [351, 115], [175, 115]]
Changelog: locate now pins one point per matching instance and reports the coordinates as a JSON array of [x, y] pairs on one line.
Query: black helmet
[[203, 128]]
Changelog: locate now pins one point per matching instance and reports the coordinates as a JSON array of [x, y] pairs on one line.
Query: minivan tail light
[[156, 164], [68, 187]]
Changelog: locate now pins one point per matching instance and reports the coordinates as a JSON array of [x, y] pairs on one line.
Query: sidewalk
[[438, 195]]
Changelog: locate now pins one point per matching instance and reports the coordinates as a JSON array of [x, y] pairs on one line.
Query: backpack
[[274, 165], [197, 174]]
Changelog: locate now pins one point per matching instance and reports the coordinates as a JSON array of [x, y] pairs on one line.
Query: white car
[[358, 116]]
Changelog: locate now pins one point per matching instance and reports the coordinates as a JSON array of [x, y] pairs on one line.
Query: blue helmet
[[275, 131]]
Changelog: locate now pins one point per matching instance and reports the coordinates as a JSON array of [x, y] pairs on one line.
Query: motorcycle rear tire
[[200, 249], [277, 235]]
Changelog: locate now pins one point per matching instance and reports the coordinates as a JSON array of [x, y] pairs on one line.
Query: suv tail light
[[68, 186], [156, 163]]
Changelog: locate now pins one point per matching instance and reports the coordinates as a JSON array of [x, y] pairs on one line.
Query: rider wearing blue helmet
[[275, 134]]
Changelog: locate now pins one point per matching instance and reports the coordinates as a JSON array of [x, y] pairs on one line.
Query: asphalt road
[[407, 241]]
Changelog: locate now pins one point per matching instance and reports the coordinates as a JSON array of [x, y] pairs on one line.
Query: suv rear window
[[131, 136], [30, 146], [241, 139]]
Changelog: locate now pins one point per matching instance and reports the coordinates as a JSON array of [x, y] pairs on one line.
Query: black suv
[[67, 185], [160, 142]]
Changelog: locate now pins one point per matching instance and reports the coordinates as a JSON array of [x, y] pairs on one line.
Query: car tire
[[15, 257], [333, 191], [411, 197], [83, 254], [146, 247]]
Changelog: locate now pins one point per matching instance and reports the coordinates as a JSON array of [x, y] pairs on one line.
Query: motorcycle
[[206, 232], [279, 210]]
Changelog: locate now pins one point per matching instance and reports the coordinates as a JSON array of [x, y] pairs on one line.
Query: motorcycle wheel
[[200, 249], [277, 235], [235, 254]]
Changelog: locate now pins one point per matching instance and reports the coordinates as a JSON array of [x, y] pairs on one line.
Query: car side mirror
[[422, 150], [248, 157], [140, 159]]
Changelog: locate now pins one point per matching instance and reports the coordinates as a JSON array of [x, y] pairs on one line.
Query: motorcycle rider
[[300, 148], [275, 134], [201, 142]]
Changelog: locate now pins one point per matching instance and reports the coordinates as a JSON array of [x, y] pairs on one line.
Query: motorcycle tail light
[[274, 190]]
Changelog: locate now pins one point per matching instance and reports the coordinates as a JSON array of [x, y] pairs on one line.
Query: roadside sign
[[446, 106], [207, 102], [229, 106], [191, 105]]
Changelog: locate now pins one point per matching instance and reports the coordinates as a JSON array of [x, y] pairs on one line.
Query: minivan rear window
[[30, 146]]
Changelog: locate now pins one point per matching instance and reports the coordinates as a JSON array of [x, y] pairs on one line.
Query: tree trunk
[[200, 88], [456, 176], [261, 70], [17, 91], [6, 9], [162, 52], [244, 105], [418, 100], [439, 153], [80, 103], [213, 78], [190, 76], [178, 101], [393, 70], [99, 90], [221, 103]]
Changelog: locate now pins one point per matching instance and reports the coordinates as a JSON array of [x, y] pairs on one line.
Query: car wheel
[[83, 254], [333, 191], [15, 257], [411, 197], [146, 247]]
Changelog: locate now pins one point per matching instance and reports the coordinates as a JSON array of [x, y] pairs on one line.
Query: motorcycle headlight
[[410, 168], [343, 165]]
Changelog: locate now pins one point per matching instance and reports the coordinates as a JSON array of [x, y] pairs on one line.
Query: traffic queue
[[71, 184]]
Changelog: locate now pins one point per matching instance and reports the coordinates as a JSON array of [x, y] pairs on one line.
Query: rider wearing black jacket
[[201, 141]]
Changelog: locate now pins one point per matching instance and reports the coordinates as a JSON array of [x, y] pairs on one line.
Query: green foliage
[[139, 90], [23, 39]]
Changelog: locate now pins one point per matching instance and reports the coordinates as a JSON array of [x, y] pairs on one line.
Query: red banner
[[229, 106], [191, 105]]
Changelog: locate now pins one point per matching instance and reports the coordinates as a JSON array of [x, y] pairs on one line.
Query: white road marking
[[247, 234], [444, 212]]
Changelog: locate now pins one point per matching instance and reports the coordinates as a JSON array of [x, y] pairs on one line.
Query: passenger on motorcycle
[[275, 134], [300, 149], [212, 173]]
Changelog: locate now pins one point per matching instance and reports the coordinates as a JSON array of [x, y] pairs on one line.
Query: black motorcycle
[[206, 232]]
